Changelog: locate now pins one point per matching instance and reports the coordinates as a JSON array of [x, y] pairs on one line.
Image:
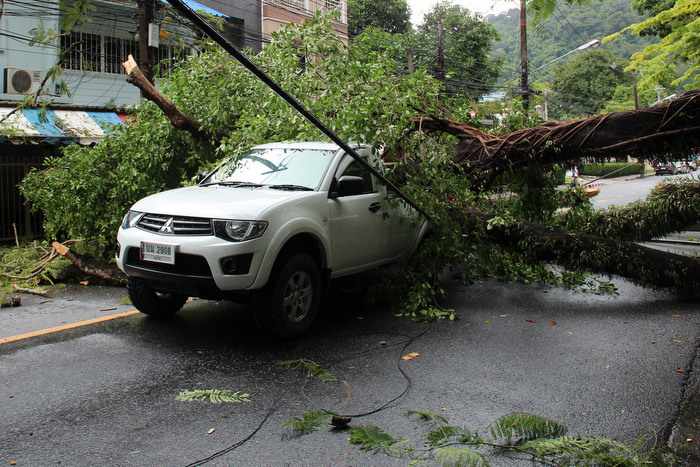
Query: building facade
[[278, 13]]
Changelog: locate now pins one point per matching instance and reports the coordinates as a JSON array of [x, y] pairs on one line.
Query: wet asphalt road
[[620, 192], [105, 395]]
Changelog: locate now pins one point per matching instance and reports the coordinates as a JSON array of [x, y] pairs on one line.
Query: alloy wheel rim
[[298, 296]]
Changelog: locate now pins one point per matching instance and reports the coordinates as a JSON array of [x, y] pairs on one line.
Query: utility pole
[[409, 61], [546, 105], [440, 59], [146, 10], [524, 87]]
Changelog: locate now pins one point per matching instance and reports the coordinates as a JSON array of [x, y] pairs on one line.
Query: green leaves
[[215, 396], [460, 457], [371, 438], [308, 423], [520, 427], [311, 368], [584, 451]]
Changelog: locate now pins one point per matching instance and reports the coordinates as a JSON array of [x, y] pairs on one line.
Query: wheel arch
[[299, 240]]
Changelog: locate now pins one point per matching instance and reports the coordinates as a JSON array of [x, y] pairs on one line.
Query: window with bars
[[331, 4], [83, 51]]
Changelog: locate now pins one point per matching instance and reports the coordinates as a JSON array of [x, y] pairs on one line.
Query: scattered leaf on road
[[531, 321], [410, 356], [488, 321], [13, 462], [680, 371], [552, 323]]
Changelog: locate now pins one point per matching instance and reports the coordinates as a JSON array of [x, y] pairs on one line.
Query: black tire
[[284, 308], [156, 304]]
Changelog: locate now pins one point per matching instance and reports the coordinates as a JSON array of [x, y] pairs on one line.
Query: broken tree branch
[[110, 275], [575, 251], [177, 118]]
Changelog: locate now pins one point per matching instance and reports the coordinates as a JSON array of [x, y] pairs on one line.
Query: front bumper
[[211, 248]]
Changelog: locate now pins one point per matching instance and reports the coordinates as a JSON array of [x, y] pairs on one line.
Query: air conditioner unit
[[18, 81]]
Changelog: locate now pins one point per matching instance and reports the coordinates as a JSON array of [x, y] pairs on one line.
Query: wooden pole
[[524, 87]]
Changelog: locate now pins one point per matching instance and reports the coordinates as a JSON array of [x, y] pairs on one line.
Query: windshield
[[275, 167]]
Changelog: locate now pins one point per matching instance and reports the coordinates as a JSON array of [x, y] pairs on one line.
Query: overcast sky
[[485, 7]]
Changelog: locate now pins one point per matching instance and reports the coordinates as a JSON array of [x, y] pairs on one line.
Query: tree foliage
[[569, 26], [583, 85], [673, 61], [393, 16], [84, 192], [469, 68]]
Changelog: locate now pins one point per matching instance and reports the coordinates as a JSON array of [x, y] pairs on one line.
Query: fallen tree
[[665, 130], [452, 182]]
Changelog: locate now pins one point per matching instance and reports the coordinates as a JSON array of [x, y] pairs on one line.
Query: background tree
[[467, 41], [585, 83], [392, 16], [568, 27], [672, 62]]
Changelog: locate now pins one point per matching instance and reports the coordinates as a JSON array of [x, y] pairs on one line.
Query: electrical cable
[[237, 444], [409, 382]]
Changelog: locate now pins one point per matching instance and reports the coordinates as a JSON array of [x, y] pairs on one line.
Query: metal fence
[[15, 163]]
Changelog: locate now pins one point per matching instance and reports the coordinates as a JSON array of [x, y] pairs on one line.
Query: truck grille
[[175, 225], [188, 265]]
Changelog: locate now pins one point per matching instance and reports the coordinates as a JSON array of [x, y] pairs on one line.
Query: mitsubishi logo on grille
[[168, 227]]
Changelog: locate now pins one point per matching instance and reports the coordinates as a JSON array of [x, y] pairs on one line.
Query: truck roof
[[319, 145]]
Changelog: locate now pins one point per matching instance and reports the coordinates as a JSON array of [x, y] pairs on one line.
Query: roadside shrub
[[605, 168]]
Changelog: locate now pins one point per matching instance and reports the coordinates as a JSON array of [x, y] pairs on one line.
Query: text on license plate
[[158, 252]]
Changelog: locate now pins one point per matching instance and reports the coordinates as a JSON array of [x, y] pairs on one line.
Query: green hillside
[[569, 27]]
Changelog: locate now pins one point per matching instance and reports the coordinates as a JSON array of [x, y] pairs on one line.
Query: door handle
[[374, 207]]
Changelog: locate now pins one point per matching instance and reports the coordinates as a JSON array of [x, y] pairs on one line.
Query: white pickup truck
[[275, 224]]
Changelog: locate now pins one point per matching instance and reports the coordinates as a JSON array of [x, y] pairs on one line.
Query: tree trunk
[[666, 130]]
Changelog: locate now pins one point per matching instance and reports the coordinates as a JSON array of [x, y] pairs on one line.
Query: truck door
[[358, 225]]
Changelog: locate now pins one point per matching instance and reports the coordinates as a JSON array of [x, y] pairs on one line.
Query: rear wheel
[[288, 306], [156, 304]]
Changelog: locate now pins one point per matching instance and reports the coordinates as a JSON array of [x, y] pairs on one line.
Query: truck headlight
[[130, 219], [239, 231]]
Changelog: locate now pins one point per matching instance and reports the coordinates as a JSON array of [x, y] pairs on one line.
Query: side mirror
[[348, 185], [200, 177]]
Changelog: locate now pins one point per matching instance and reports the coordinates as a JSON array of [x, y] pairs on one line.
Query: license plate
[[158, 252]]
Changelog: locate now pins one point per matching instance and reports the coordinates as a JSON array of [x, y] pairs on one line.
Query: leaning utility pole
[[146, 52], [524, 88]]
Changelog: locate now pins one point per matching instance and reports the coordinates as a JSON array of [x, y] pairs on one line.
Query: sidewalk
[[70, 304]]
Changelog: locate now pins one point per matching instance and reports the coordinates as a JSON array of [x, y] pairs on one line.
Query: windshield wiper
[[291, 187], [235, 184]]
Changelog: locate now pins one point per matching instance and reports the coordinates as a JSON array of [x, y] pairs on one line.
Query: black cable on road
[[407, 388], [217, 37], [237, 444]]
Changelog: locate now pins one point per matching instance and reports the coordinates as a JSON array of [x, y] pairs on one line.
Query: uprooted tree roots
[[664, 130]]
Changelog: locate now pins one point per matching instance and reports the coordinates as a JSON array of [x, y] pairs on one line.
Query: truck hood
[[217, 202]]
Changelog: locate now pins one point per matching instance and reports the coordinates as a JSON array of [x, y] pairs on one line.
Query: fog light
[[236, 265]]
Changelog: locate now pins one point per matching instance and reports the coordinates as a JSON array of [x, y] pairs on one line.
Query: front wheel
[[288, 306], [156, 304]]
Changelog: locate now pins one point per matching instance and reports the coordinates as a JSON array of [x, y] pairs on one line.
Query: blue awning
[[37, 126]]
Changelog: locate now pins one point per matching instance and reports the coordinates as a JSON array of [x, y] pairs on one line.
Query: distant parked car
[[682, 167], [665, 168]]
